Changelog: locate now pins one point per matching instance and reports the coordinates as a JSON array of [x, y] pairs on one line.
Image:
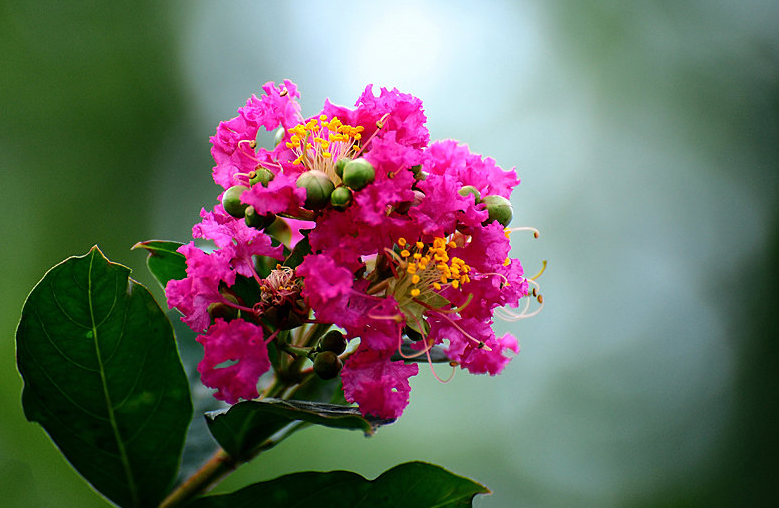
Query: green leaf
[[103, 377], [163, 260], [409, 485], [247, 425]]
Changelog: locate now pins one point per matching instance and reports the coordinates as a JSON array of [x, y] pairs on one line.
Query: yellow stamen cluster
[[431, 266], [320, 142]]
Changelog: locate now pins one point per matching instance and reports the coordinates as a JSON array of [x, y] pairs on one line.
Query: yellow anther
[[436, 285], [420, 245], [404, 253], [417, 255], [326, 155], [323, 117], [415, 279], [411, 268], [415, 292], [507, 262], [402, 241], [455, 284], [452, 245]]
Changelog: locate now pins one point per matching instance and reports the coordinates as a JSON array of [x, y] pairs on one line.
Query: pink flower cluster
[[417, 252]]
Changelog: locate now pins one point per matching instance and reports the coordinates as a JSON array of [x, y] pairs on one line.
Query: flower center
[[427, 269], [280, 287], [319, 143]]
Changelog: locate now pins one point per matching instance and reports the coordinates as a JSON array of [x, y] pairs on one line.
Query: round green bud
[[333, 341], [278, 137], [358, 173], [327, 365], [222, 310], [341, 197], [416, 169], [470, 189], [262, 176], [339, 166], [257, 221], [231, 201], [318, 188], [499, 209]]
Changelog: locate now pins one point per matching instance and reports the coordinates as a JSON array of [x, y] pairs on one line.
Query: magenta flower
[[396, 243]]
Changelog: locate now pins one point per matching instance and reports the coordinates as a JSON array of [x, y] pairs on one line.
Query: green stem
[[212, 471]]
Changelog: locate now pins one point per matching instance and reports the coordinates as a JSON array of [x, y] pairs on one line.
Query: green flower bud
[[341, 197], [333, 341], [499, 209], [257, 221], [278, 137], [318, 188], [416, 169], [327, 365], [261, 175], [358, 173], [470, 189], [222, 310], [339, 166], [405, 206], [231, 201]]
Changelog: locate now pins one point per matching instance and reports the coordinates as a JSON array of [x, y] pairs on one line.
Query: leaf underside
[[246, 425], [103, 377]]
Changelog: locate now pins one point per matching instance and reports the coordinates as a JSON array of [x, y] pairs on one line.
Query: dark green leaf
[[163, 261], [247, 425], [409, 485], [103, 377], [316, 389]]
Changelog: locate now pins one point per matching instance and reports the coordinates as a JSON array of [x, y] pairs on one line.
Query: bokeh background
[[646, 135]]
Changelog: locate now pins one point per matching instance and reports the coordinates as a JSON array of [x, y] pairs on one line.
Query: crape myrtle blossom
[[353, 220]]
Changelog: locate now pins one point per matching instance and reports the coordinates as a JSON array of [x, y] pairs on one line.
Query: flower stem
[[212, 471]]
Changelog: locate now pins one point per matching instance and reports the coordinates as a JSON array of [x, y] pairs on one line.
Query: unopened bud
[[318, 188], [405, 206], [278, 137], [231, 201], [358, 173], [339, 166], [341, 197], [262, 176], [333, 341], [257, 221], [499, 209], [470, 189], [327, 365], [223, 310]]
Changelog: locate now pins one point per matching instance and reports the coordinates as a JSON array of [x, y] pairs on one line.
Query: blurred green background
[[646, 135]]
